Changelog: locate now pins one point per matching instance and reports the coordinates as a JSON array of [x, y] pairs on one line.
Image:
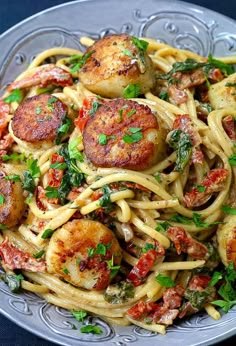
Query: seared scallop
[[80, 253], [223, 94], [226, 239], [113, 63], [13, 205], [123, 133], [37, 119]]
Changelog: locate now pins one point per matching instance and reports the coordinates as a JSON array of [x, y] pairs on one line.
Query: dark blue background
[[12, 12]]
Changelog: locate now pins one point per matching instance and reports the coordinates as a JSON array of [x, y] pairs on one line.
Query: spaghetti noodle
[[127, 213]]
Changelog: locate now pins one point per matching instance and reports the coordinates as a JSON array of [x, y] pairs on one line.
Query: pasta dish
[[117, 182]]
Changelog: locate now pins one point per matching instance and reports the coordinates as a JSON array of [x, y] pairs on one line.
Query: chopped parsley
[[3, 227], [47, 233], [79, 315], [201, 188], [79, 61], [230, 84], [130, 113], [14, 157], [148, 246], [163, 95], [135, 136], [66, 271], [39, 254], [95, 106], [232, 160], [58, 165], [140, 44], [228, 210], [103, 139], [105, 201], [113, 269], [73, 151], [119, 293], [15, 96], [90, 328], [63, 129], [52, 192], [132, 91], [2, 199], [165, 280], [14, 177]]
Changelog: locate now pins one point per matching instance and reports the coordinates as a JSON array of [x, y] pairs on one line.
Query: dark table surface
[[12, 12]]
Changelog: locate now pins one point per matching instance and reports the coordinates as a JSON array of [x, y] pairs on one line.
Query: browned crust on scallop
[[107, 120], [12, 208], [37, 118], [115, 56]]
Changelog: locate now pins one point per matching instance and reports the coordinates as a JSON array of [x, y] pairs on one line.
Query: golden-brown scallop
[[79, 252], [123, 133], [115, 62], [222, 94], [38, 118], [13, 205], [226, 239]]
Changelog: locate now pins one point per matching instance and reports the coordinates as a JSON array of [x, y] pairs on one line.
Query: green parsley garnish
[[103, 139], [201, 188], [132, 91], [63, 129], [140, 44], [47, 233], [135, 136], [39, 254], [90, 328], [228, 210], [79, 315], [2, 199], [232, 160], [14, 177], [58, 165], [81, 60], [15, 96], [165, 280]]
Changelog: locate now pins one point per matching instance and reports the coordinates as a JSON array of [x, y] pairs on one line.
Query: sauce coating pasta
[[124, 161]]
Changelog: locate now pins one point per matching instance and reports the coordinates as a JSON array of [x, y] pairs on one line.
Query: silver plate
[[178, 23]]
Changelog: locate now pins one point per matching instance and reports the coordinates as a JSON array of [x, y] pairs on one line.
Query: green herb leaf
[[128, 53], [2, 199], [74, 153], [105, 201], [162, 226], [28, 182], [90, 328], [225, 68], [81, 60], [130, 113], [148, 246], [58, 165], [232, 160], [181, 219], [33, 167], [164, 95], [66, 271], [182, 144], [15, 96], [102, 139], [14, 157], [113, 269], [132, 91], [140, 44], [165, 280], [158, 178], [201, 188], [79, 315], [231, 84], [215, 278], [39, 254], [63, 129], [228, 210], [226, 306], [135, 136], [47, 233], [14, 177], [3, 227], [52, 192]]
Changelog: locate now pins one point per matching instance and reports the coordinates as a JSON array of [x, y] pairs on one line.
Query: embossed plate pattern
[[177, 23]]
